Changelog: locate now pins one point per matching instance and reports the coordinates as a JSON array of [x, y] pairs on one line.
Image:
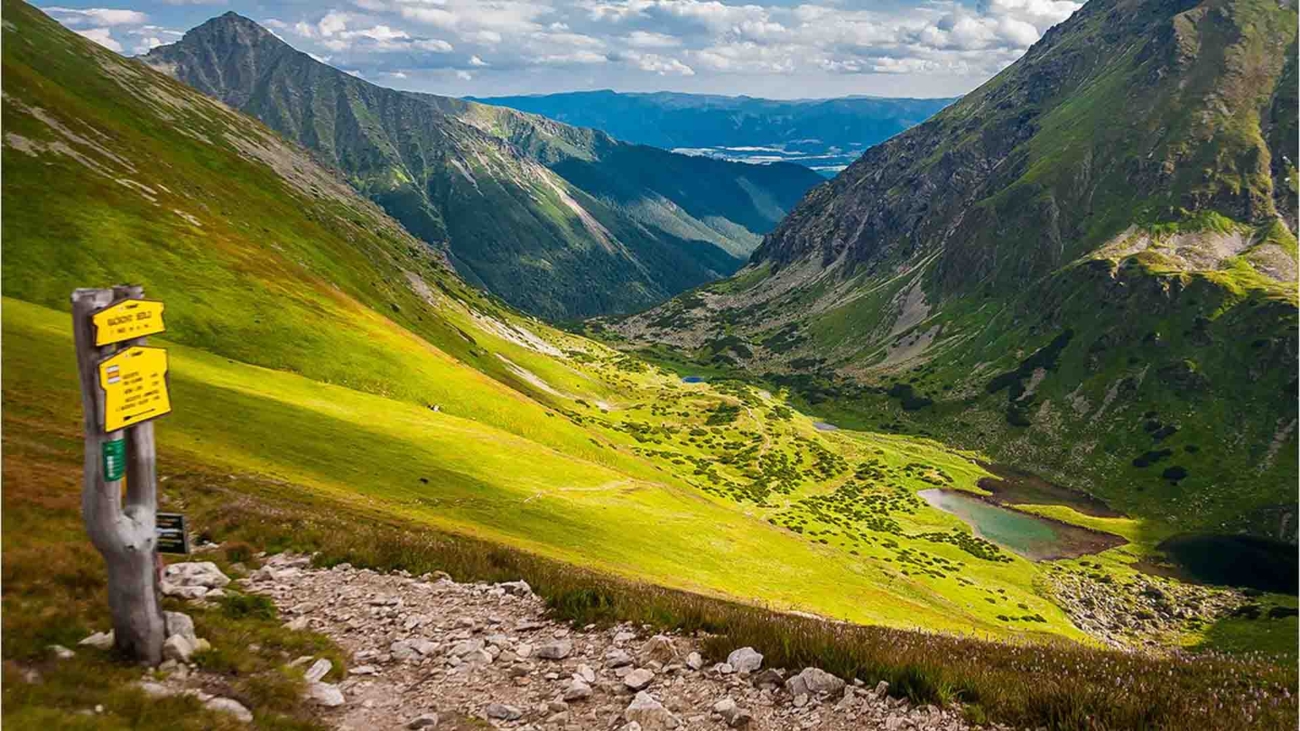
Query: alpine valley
[[996, 429], [559, 221]]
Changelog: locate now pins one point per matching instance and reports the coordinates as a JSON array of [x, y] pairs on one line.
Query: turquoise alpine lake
[[1035, 538]]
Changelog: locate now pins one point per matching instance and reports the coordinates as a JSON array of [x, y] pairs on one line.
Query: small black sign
[[172, 534]]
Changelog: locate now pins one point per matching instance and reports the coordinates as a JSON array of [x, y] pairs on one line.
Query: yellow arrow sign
[[128, 319], [135, 387]]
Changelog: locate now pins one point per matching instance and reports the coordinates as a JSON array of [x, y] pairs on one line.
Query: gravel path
[[431, 651]]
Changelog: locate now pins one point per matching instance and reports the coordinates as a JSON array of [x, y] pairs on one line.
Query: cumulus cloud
[[97, 17], [103, 37], [733, 45]]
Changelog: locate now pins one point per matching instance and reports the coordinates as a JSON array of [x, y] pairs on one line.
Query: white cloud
[[98, 17], [476, 61], [649, 39], [103, 37]]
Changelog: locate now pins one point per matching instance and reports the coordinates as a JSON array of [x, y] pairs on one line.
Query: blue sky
[[771, 48]]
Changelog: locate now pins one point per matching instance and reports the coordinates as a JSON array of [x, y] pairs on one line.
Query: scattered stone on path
[[694, 661], [814, 681], [179, 623], [639, 679], [578, 690], [195, 573], [659, 648], [426, 721], [504, 712], [557, 650], [745, 660], [649, 713]]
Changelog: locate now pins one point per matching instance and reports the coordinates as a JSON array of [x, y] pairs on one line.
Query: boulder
[[230, 706], [188, 593], [464, 647], [770, 679], [813, 681], [427, 720], [694, 661], [402, 651], [745, 660], [649, 714]]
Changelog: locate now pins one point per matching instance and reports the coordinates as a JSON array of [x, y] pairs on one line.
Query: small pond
[[1035, 538], [692, 379]]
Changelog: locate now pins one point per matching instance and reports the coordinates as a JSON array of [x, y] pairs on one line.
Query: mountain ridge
[[531, 209], [1030, 272]]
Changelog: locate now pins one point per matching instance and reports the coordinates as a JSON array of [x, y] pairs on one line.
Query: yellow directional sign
[[135, 387], [126, 320]]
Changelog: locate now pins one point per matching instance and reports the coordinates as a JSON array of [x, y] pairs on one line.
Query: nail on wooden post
[[124, 536]]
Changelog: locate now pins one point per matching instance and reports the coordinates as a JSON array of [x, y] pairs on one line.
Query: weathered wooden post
[[122, 387]]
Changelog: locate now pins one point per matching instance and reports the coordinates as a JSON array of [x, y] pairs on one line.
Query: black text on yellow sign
[[135, 387], [126, 320]]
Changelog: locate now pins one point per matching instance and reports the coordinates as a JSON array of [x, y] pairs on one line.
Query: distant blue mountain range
[[822, 134]]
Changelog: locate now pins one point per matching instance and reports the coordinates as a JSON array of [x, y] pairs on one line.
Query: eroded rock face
[[430, 648]]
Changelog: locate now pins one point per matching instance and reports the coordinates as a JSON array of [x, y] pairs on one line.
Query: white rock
[[694, 661], [724, 706], [649, 713], [745, 660], [231, 706], [659, 648], [517, 588], [296, 624], [428, 720], [318, 670], [882, 688], [325, 694], [465, 647], [638, 679], [586, 673], [189, 593], [196, 573], [179, 623], [178, 648], [155, 690], [813, 681], [99, 641], [723, 668], [364, 670], [61, 652], [403, 651]]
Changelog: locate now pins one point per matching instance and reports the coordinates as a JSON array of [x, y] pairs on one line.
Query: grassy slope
[[274, 294]]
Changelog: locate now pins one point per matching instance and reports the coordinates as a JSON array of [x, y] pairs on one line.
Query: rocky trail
[[427, 652]]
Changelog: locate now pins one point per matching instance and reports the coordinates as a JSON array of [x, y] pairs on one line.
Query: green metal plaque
[[114, 453]]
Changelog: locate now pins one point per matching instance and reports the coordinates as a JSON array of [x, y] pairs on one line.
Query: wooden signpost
[[124, 387]]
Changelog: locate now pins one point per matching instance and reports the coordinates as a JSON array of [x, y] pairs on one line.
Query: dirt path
[[429, 650]]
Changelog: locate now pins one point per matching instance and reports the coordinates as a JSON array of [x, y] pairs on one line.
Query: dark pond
[[1017, 487], [1241, 561], [692, 379], [1035, 538]]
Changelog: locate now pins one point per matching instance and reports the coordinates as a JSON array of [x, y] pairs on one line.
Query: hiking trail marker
[[126, 320], [123, 388], [134, 381]]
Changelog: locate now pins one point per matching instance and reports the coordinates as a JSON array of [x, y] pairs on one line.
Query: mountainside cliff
[[536, 211], [1086, 267]]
